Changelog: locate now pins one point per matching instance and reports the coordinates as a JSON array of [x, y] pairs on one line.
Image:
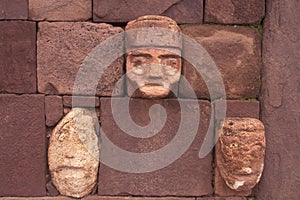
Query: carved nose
[[155, 71]]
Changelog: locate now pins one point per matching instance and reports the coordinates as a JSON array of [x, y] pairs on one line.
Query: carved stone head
[[153, 61], [73, 153], [240, 152]]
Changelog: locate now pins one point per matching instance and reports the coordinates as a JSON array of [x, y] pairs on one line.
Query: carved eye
[[138, 70], [139, 60], [137, 63], [172, 62]]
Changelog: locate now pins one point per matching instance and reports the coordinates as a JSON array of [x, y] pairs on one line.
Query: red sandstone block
[[53, 109], [62, 50], [81, 101], [187, 176], [13, 9], [236, 53], [238, 108], [22, 145], [182, 11], [280, 108], [234, 11], [60, 10], [18, 57]]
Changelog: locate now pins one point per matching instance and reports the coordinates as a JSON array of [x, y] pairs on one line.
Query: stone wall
[[44, 43]]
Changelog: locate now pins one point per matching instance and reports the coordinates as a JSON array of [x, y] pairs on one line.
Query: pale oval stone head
[[73, 153], [153, 63], [240, 152]]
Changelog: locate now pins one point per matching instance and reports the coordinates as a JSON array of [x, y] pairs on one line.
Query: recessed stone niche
[[153, 68]]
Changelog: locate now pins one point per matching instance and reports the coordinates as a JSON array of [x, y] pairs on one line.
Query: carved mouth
[[153, 84]]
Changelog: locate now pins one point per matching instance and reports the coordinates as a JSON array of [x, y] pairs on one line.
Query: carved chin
[[154, 91], [74, 182]]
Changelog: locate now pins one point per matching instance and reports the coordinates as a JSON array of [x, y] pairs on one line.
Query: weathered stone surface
[[238, 108], [62, 48], [13, 9], [152, 72], [236, 52], [234, 11], [187, 176], [60, 10], [182, 11], [53, 109], [81, 101], [240, 153], [18, 57], [22, 145], [280, 101], [74, 153]]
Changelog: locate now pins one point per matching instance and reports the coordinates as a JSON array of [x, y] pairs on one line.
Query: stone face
[[237, 108], [187, 176], [18, 57], [186, 11], [60, 10], [234, 11], [240, 153], [22, 145], [81, 101], [13, 9], [236, 53], [62, 48], [151, 72], [53, 109], [280, 101], [74, 153]]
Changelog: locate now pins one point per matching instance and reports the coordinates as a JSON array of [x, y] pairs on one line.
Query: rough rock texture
[[18, 57], [53, 109], [187, 176], [182, 11], [13, 9], [62, 48], [280, 101], [22, 145], [234, 11], [81, 101], [240, 153], [74, 153], [60, 10], [236, 53], [238, 108]]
